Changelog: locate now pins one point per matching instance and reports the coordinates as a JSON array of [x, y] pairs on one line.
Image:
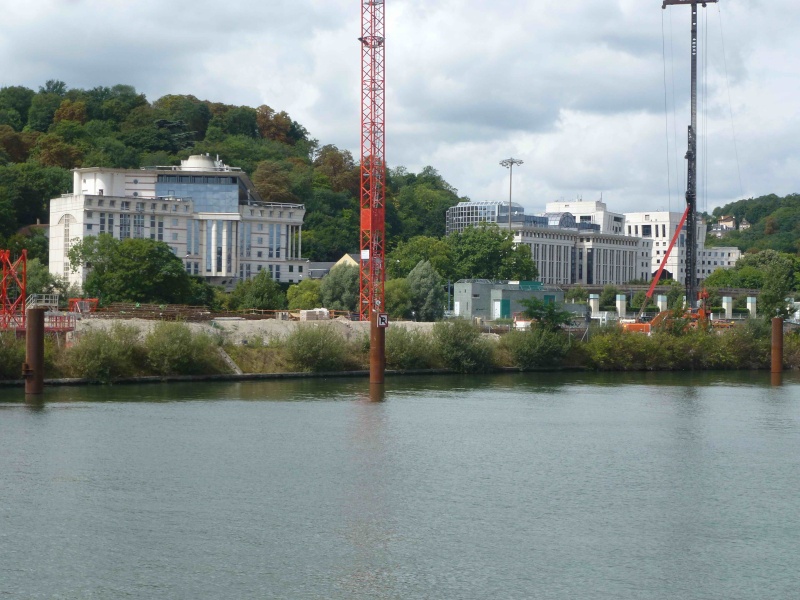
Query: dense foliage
[[774, 224], [135, 270], [45, 133]]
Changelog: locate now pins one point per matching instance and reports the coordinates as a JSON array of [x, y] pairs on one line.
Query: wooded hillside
[[774, 224], [45, 133]]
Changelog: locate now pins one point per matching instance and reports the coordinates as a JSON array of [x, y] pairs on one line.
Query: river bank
[[125, 351]]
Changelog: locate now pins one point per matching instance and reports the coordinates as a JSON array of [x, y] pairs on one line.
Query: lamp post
[[509, 163]]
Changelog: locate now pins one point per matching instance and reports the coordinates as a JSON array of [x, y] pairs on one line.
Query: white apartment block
[[208, 213], [659, 227]]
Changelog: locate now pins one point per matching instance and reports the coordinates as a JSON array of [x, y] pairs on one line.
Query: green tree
[[10, 117], [428, 296], [18, 99], [187, 109], [485, 252], [36, 243], [260, 292], [241, 121], [39, 278], [548, 315], [398, 298], [340, 288], [272, 181], [608, 297], [577, 293], [638, 298], [305, 295], [337, 170], [30, 186], [131, 270], [43, 109], [408, 254]]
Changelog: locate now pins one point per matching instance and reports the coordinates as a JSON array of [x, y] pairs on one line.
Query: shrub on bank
[[104, 355], [317, 348], [743, 347], [12, 355], [409, 349], [173, 349], [791, 350], [461, 347], [536, 347]]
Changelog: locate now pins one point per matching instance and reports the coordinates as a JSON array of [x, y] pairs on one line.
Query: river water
[[550, 486]]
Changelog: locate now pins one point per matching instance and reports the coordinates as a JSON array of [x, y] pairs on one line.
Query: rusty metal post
[[777, 345], [377, 350], [33, 369]]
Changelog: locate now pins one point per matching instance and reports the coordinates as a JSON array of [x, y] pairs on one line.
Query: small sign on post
[[383, 320]]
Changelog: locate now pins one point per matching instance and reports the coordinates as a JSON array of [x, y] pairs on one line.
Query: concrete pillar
[[751, 306], [727, 305], [661, 301], [622, 305], [594, 303]]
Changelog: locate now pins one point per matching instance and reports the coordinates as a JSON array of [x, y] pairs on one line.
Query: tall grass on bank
[[258, 356]]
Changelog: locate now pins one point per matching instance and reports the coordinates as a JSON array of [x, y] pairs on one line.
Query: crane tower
[[373, 165], [691, 157]]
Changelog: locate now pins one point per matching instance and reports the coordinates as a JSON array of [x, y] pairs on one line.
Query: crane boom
[[657, 276]]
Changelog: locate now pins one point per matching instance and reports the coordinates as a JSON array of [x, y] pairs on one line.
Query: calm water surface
[[520, 486]]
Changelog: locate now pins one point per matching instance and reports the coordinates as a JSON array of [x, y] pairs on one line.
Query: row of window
[[140, 206], [271, 213], [204, 179]]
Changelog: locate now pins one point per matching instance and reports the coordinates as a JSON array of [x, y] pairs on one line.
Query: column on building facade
[[214, 247], [235, 249]]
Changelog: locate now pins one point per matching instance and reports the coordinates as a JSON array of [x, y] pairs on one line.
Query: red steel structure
[[12, 290], [373, 164]]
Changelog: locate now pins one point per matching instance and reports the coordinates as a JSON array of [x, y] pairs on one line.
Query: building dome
[[561, 220], [199, 162]]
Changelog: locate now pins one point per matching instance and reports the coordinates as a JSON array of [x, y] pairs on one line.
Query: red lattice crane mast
[[373, 164], [13, 290]]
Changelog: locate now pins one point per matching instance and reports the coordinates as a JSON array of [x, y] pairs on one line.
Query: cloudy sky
[[574, 88]]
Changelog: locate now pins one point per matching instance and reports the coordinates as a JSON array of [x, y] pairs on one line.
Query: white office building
[[594, 212], [659, 228], [589, 247], [207, 212], [567, 256]]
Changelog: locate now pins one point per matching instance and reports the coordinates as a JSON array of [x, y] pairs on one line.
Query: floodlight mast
[[691, 157], [509, 163]]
